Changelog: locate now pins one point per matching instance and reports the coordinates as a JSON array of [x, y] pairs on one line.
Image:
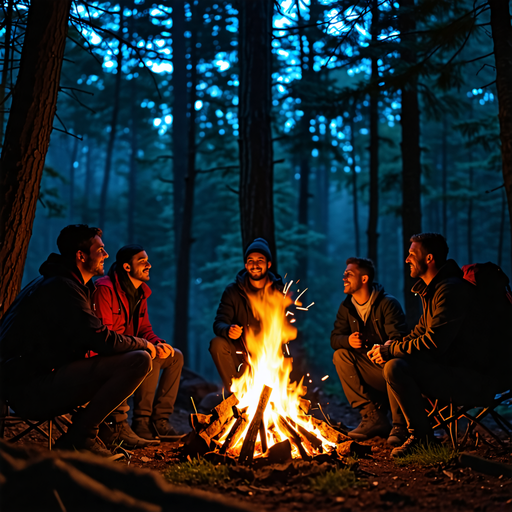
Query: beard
[[259, 277], [140, 275], [96, 268], [420, 268]]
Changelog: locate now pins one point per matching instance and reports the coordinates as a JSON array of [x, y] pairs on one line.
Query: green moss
[[334, 482], [429, 455], [196, 471]]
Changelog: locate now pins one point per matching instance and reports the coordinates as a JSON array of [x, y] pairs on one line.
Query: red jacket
[[114, 312]]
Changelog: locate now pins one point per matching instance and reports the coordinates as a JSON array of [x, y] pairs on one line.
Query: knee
[[139, 362], [394, 369], [219, 345], [178, 358], [343, 356]]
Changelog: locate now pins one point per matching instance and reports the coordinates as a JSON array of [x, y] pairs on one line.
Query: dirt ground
[[384, 485]]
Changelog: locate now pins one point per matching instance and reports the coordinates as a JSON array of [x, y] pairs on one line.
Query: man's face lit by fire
[[257, 266], [138, 268], [94, 262], [417, 260], [353, 279]]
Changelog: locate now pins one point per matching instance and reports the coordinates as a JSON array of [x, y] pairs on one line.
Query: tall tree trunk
[[502, 227], [6, 65], [113, 132], [502, 37], [322, 193], [373, 217], [72, 175], [470, 212], [27, 137], [411, 158], [180, 122], [182, 302], [88, 185], [444, 174], [132, 176], [256, 155], [355, 204]]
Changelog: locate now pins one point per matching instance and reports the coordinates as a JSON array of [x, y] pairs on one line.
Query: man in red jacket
[[120, 302]]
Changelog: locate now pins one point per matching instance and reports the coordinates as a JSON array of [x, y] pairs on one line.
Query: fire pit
[[266, 416]]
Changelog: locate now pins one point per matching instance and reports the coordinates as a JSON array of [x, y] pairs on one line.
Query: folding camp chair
[[7, 417], [447, 416]]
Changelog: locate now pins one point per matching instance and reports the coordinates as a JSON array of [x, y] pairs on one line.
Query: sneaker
[[165, 431], [412, 444], [398, 436], [374, 423], [142, 426], [71, 441], [122, 434]]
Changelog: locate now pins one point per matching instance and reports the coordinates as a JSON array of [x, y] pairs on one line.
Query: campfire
[[266, 416]]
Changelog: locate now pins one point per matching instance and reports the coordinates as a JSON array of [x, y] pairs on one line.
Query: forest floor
[[382, 484]]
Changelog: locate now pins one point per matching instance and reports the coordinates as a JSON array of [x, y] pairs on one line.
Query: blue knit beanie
[[259, 245]]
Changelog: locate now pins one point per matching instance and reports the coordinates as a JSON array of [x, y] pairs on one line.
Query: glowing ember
[[269, 372]]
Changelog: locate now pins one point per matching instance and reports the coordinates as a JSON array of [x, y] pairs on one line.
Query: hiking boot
[[142, 426], [72, 441], [122, 434], [412, 444], [374, 423], [165, 431], [398, 436]]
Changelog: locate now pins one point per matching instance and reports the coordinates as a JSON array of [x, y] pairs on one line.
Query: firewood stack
[[220, 432]]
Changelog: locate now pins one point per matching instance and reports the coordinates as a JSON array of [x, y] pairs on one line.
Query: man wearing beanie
[[120, 300], [234, 315]]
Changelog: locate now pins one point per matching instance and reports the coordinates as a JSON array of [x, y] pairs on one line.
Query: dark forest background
[[383, 122]]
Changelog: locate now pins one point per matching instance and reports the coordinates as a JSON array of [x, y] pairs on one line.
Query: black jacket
[[451, 330], [386, 316], [51, 323], [234, 307]]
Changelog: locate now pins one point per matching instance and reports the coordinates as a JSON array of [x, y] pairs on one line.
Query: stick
[[235, 433], [247, 452], [263, 437], [294, 437]]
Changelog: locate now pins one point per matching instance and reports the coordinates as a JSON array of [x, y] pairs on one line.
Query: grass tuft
[[196, 471], [333, 482], [429, 455]]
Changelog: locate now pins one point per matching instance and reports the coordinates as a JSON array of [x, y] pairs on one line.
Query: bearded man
[[235, 316]]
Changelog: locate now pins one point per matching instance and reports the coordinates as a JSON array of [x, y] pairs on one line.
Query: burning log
[[294, 437], [224, 411], [309, 436], [199, 421], [234, 434], [247, 452], [263, 437], [332, 435], [280, 452], [353, 448]]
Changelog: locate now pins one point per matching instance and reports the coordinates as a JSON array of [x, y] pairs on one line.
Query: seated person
[[234, 315], [46, 334], [367, 316], [120, 301], [447, 356]]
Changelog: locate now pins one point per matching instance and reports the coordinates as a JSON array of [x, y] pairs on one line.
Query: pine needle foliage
[[430, 455], [334, 482], [196, 471]]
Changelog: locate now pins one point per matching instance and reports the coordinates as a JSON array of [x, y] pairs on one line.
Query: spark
[[310, 305], [239, 352], [287, 287], [292, 321], [297, 299], [310, 380], [289, 313], [301, 309], [285, 275], [297, 281], [325, 377], [307, 374]]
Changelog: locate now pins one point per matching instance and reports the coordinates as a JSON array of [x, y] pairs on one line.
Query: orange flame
[[267, 366]]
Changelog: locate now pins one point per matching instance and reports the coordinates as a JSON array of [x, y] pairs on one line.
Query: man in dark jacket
[[447, 355], [120, 301], [234, 315], [44, 338], [368, 316]]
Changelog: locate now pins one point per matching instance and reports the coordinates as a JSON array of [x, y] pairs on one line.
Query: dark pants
[[226, 359], [410, 378], [101, 382], [155, 398], [363, 382]]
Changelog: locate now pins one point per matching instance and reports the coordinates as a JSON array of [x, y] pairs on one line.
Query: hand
[[235, 331], [375, 356], [151, 349], [164, 350], [355, 340]]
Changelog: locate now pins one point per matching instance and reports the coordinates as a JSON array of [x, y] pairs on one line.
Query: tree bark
[[444, 174], [132, 176], [373, 217], [411, 158], [180, 122], [182, 302], [355, 204], [502, 37], [256, 154], [5, 69], [72, 175], [88, 184], [27, 137], [113, 132]]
